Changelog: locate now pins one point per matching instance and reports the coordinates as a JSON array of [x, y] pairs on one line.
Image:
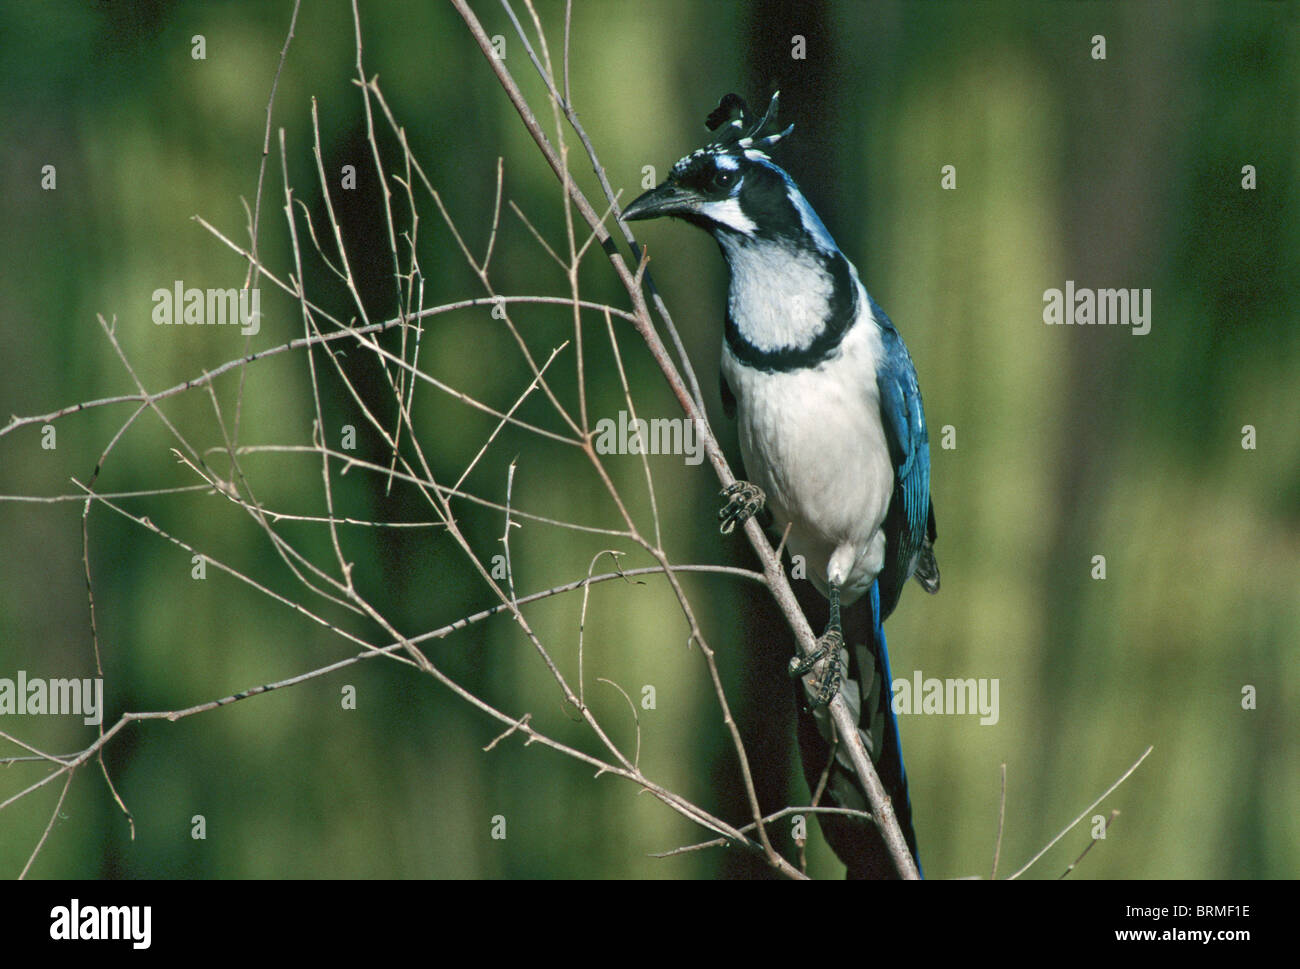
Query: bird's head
[[732, 189]]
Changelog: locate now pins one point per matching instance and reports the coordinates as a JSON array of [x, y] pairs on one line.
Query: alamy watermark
[[208, 307], [1100, 307], [950, 697], [102, 923], [659, 435], [28, 696]]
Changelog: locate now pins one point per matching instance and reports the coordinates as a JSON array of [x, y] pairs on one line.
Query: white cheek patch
[[729, 213]]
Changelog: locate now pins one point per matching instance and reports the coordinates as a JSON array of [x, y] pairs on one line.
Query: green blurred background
[[1070, 442]]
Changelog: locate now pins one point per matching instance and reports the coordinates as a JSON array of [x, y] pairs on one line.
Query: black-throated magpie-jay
[[832, 432]]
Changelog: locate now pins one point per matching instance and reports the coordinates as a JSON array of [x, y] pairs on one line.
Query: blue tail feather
[[893, 774], [867, 688]]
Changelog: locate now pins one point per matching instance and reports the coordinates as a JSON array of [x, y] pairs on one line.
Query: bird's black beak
[[664, 199]]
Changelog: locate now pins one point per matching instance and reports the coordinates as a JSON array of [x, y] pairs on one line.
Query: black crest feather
[[739, 129]]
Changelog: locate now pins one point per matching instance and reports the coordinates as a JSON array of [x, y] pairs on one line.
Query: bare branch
[[1082, 814]]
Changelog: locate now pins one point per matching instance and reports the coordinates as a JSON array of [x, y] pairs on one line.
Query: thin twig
[[54, 816], [1002, 815], [1083, 814], [1091, 842]]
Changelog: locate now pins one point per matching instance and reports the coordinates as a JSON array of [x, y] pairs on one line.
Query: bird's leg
[[744, 501], [828, 648]]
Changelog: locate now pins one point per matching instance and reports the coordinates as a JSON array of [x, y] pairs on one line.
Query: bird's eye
[[725, 178]]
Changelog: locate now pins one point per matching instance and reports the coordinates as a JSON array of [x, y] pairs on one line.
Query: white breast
[[778, 295], [813, 441]]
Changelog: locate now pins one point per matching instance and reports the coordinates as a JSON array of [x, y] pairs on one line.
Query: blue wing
[[909, 524]]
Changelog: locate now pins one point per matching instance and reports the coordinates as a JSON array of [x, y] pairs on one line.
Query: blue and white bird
[[831, 427]]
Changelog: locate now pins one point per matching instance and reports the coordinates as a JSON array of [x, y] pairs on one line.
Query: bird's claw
[[744, 501], [828, 648]]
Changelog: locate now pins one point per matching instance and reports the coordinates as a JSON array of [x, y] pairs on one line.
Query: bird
[[832, 436]]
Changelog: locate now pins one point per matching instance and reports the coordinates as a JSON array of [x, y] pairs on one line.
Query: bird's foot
[[744, 501], [828, 649]]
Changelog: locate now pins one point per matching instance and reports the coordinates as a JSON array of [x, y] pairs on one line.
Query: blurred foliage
[[1071, 442]]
